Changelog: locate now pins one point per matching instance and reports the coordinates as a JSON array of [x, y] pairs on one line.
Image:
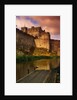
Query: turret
[[24, 29]]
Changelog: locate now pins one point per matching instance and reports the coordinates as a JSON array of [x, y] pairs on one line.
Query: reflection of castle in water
[[43, 64], [46, 64], [23, 69]]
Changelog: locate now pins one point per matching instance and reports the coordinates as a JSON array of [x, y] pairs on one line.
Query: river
[[38, 71]]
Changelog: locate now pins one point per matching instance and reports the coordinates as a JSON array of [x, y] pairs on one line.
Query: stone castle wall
[[42, 38], [34, 31], [27, 42], [24, 41], [43, 41], [55, 46]]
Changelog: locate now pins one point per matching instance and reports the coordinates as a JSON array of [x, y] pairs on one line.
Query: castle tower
[[24, 29], [34, 31], [43, 41]]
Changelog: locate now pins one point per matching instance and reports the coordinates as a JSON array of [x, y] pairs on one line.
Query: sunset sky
[[50, 24]]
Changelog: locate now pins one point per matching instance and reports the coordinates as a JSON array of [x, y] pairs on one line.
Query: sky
[[50, 24]]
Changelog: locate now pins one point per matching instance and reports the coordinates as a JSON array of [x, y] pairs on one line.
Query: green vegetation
[[39, 53], [32, 58]]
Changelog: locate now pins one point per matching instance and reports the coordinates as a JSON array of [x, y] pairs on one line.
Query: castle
[[41, 38], [32, 40]]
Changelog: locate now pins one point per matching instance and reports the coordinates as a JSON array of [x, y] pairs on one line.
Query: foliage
[[32, 58]]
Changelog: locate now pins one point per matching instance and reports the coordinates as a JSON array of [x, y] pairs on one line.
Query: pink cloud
[[21, 22], [52, 23], [48, 23]]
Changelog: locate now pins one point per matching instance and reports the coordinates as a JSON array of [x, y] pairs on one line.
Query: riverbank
[[32, 58]]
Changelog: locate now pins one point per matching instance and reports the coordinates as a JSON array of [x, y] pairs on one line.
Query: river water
[[25, 68]]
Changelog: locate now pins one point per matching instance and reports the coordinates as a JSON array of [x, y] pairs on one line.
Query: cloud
[[56, 37], [22, 21], [48, 23]]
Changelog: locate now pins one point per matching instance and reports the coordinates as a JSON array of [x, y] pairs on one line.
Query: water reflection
[[23, 69], [43, 64], [52, 65]]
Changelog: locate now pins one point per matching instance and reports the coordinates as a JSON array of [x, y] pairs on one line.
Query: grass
[[32, 58]]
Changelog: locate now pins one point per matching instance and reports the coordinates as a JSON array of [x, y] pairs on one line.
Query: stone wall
[[24, 42], [43, 41], [55, 46], [33, 31], [42, 38], [36, 37]]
